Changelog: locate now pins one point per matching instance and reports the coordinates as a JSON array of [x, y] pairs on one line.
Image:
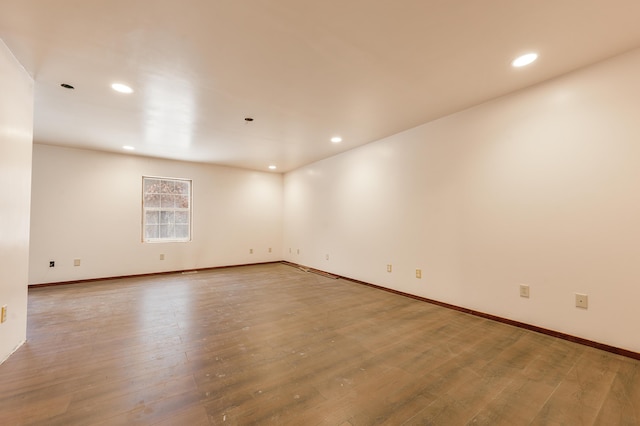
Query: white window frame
[[165, 209]]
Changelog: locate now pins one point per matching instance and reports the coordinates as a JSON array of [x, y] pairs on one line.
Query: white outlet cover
[[582, 301]]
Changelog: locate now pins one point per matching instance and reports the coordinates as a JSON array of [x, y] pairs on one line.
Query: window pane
[[182, 187], [167, 187], [151, 231], [166, 217], [166, 231], [182, 217], [151, 185], [168, 201], [182, 231], [152, 200], [182, 201], [151, 217]]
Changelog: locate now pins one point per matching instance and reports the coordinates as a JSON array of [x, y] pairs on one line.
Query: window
[[166, 209]]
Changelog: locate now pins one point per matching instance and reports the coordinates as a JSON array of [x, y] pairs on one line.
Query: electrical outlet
[[389, 268], [76, 262], [52, 263], [3, 314], [524, 290], [250, 251], [326, 257], [298, 251], [162, 256], [582, 301], [418, 273], [269, 249]]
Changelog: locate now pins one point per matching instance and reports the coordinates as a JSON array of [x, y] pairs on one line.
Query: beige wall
[[539, 187], [87, 205], [16, 135]]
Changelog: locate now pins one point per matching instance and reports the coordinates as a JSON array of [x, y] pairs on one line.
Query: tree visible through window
[[166, 209]]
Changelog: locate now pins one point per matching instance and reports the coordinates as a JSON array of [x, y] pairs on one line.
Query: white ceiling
[[304, 70]]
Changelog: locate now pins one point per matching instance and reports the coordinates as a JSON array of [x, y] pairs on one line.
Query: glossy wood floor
[[271, 344]]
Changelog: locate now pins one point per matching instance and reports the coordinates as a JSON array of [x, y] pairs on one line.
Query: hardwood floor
[[270, 344]]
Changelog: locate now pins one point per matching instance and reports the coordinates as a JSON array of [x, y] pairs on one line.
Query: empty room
[[319, 213]]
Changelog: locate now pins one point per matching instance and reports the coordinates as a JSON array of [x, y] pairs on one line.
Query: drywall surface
[[539, 187], [87, 205], [16, 136]]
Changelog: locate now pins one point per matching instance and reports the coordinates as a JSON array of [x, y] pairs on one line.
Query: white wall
[[87, 205], [540, 187], [16, 135]]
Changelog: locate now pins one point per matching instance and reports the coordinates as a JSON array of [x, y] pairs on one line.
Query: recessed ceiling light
[[128, 147], [523, 60], [272, 167], [67, 86], [122, 88], [336, 139]]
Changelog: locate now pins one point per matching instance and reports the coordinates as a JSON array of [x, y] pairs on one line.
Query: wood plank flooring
[[270, 344]]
